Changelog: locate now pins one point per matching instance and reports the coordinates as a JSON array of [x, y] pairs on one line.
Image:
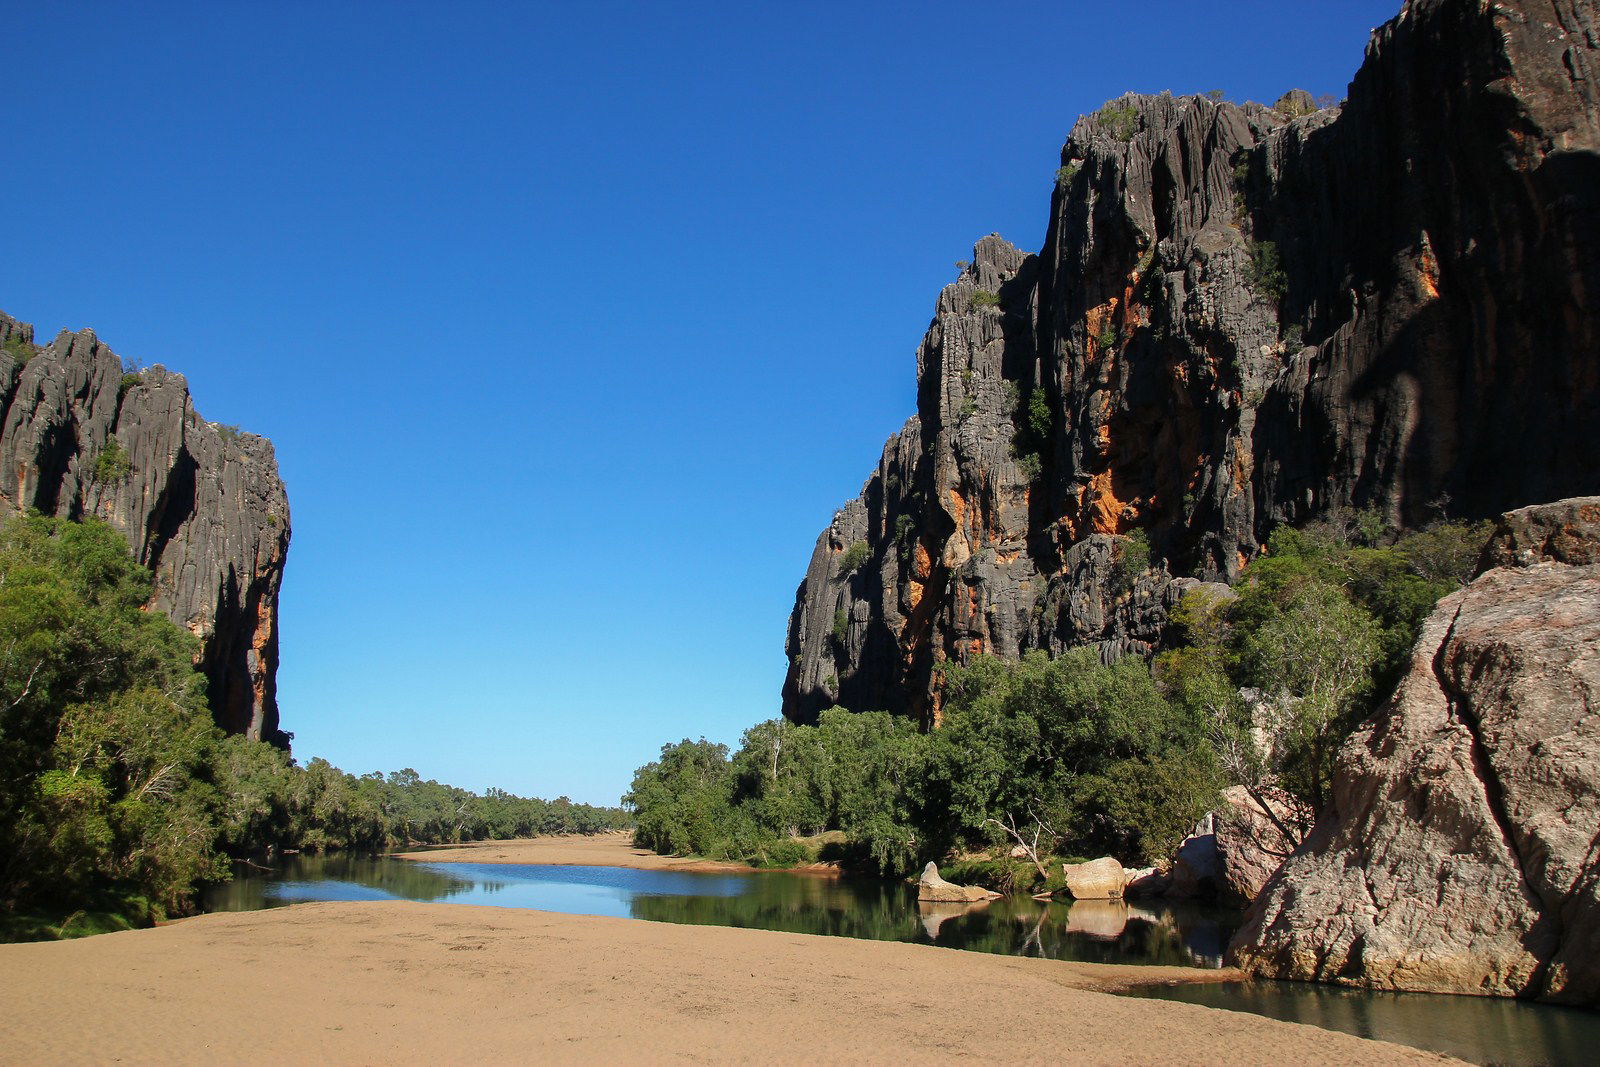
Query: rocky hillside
[[1241, 316], [200, 503], [1459, 854]]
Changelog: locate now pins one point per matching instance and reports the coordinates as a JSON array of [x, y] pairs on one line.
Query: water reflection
[[1096, 931], [1480, 1029]]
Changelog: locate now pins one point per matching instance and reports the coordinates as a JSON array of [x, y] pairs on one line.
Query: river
[[1151, 932]]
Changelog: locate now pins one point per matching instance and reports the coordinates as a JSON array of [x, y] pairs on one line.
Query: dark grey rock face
[[1241, 317], [201, 504]]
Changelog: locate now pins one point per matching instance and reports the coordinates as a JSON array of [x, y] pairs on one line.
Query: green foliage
[[1120, 121], [1065, 174], [982, 298], [1265, 271], [1133, 559], [841, 627], [1030, 465], [905, 530], [1093, 757], [1216, 96], [18, 349], [118, 795], [113, 464], [1294, 338], [851, 559], [1107, 337], [229, 431], [1322, 627], [105, 738], [129, 380]]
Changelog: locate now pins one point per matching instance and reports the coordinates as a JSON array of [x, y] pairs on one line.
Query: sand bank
[[600, 850], [448, 983]]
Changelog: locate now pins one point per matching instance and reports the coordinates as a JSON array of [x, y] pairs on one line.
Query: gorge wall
[[1241, 316], [201, 504]]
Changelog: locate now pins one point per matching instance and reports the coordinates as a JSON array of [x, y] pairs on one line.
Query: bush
[[851, 559], [112, 465], [1265, 271], [1065, 174], [1133, 559], [19, 350], [982, 298], [1121, 121]]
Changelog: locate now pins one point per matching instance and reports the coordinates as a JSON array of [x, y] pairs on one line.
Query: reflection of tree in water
[[798, 904], [252, 889], [1096, 932]]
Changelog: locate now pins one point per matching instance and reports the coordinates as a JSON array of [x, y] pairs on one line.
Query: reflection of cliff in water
[[338, 877]]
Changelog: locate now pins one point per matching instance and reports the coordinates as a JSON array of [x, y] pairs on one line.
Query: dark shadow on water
[[1478, 1029]]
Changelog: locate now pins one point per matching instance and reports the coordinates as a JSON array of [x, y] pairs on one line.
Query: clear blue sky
[[572, 323]]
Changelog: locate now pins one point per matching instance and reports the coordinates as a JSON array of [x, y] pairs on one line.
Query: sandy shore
[[449, 983], [600, 850]]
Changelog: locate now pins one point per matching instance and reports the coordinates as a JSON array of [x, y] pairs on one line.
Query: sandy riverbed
[[448, 983], [600, 850]]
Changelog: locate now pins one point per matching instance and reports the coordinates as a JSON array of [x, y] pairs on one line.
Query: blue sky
[[572, 324]]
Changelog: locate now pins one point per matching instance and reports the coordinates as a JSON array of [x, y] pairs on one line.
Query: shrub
[[18, 349], [1030, 465], [1107, 337], [128, 382], [982, 298], [228, 430], [1294, 338], [1065, 174], [112, 465], [1265, 272], [1121, 121], [1133, 559], [841, 627], [851, 559]]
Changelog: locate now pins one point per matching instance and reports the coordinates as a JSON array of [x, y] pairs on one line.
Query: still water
[[1476, 1029], [1092, 931]]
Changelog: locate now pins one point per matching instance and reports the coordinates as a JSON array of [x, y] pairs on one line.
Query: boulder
[[935, 890], [1145, 883], [1250, 844], [1101, 879], [1459, 853]]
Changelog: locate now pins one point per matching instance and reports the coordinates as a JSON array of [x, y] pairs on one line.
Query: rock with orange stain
[[1143, 373]]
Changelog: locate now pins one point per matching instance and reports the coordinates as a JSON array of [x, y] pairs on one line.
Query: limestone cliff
[[201, 504], [1241, 316]]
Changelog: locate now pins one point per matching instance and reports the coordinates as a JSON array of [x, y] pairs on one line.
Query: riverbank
[[596, 850], [397, 981]]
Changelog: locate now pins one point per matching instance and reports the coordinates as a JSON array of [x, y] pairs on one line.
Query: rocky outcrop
[[1234, 851], [1240, 317], [931, 889], [201, 504], [1461, 852]]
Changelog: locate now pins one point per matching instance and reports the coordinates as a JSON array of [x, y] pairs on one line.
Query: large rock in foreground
[[1462, 850], [201, 504]]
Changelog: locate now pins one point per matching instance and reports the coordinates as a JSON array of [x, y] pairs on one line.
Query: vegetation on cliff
[[1074, 757], [119, 796]]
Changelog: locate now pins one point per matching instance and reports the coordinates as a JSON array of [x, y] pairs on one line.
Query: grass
[[1005, 875]]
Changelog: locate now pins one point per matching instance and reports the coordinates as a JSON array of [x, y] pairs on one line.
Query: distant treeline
[[1073, 757], [118, 795]]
